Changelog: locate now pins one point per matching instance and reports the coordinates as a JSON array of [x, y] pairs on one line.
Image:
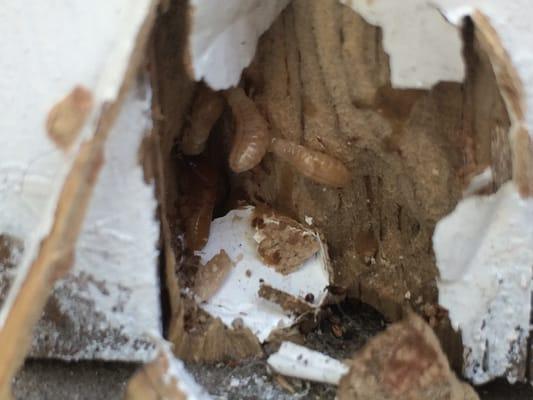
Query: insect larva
[[211, 276], [199, 202], [206, 109], [252, 136], [313, 164]]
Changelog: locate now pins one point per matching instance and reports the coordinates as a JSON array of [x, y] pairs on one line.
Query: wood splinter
[[315, 165], [286, 301], [252, 136]]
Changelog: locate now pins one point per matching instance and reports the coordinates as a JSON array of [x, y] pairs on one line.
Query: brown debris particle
[[337, 330], [284, 383], [66, 118], [284, 244], [152, 382], [286, 301], [403, 363], [210, 277]]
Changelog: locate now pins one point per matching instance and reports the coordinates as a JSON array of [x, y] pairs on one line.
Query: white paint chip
[[238, 296], [300, 362]]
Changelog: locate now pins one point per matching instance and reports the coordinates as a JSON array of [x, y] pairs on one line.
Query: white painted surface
[[300, 362], [423, 47], [224, 37], [116, 258], [484, 252], [49, 47], [238, 296]]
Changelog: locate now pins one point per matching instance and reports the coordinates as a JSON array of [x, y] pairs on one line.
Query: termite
[[252, 136], [315, 165], [199, 202], [206, 109]]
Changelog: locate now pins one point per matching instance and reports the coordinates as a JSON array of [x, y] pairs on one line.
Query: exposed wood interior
[[321, 79]]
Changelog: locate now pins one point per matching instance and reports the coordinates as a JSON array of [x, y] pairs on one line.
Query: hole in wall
[[410, 153]]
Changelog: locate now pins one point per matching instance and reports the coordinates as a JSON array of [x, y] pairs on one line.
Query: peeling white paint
[[116, 257], [43, 59], [484, 252], [300, 362], [224, 37], [238, 296]]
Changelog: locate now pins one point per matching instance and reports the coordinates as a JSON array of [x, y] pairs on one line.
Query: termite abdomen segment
[[206, 109], [252, 137], [315, 165]]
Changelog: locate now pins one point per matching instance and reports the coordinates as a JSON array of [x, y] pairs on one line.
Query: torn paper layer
[[223, 38], [238, 297], [484, 252]]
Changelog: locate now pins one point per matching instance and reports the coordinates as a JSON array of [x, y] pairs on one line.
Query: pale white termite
[[315, 165], [252, 136], [206, 109]]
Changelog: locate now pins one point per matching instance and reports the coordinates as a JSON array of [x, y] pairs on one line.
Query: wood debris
[[286, 301], [283, 243], [403, 363]]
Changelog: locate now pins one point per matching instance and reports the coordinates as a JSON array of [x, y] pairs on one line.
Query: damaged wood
[[404, 362], [195, 334], [510, 88], [199, 337], [285, 300], [401, 151], [410, 153]]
